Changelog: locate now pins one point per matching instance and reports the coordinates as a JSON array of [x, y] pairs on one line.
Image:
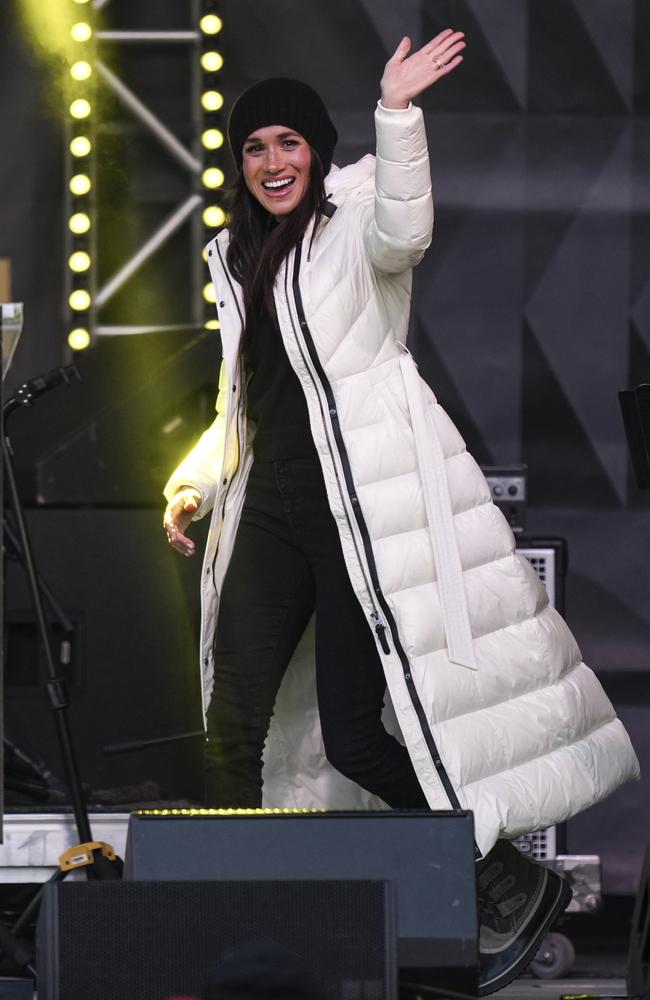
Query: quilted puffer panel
[[404, 560], [502, 593], [388, 386], [517, 730], [450, 438], [483, 535], [499, 594], [403, 212], [366, 340], [419, 634], [379, 453], [511, 662], [343, 355], [553, 787], [393, 506], [358, 399], [467, 485]]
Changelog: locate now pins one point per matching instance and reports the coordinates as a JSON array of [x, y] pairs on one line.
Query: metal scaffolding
[[82, 203]]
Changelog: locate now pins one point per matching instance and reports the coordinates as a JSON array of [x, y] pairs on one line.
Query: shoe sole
[[560, 904]]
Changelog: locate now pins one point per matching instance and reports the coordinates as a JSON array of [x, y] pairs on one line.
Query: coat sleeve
[[399, 227], [201, 469]]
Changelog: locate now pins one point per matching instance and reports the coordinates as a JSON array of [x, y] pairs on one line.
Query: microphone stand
[[99, 860]]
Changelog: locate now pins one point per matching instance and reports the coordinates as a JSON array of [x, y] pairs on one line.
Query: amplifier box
[[105, 940], [429, 856], [508, 486]]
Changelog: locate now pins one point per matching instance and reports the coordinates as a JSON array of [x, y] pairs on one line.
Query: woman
[[337, 482]]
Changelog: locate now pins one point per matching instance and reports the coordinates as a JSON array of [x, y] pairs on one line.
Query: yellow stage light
[[79, 300], [212, 100], [213, 177], [227, 812], [210, 24], [79, 223], [80, 108], [212, 324], [80, 184], [212, 61], [80, 145], [81, 1], [79, 261], [81, 31], [209, 293], [79, 339], [81, 70], [204, 254], [213, 216], [212, 138]]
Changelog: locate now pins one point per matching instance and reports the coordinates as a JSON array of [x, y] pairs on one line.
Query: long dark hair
[[258, 244]]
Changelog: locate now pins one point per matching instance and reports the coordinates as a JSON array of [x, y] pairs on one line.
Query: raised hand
[[406, 76]]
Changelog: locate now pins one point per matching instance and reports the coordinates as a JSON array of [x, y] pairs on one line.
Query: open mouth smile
[[278, 186]]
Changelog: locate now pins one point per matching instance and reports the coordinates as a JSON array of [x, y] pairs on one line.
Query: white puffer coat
[[490, 695]]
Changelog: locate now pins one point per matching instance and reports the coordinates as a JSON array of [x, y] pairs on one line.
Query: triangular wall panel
[[471, 299], [611, 28], [435, 373], [392, 21], [642, 57], [504, 26], [480, 82], [564, 158], [564, 467], [578, 309], [567, 73]]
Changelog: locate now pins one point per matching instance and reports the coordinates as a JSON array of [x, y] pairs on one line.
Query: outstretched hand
[[406, 76], [178, 514]]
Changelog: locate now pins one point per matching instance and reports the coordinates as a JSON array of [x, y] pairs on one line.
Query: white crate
[[543, 562], [542, 845], [34, 842]]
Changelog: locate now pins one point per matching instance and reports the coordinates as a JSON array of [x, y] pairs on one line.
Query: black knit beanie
[[280, 101]]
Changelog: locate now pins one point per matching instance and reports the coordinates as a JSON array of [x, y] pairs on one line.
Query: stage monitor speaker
[[16, 989], [157, 940], [638, 962], [428, 855]]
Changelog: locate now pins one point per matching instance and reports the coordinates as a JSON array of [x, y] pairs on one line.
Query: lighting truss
[[200, 161]]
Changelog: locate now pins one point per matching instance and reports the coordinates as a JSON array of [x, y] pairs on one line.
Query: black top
[[275, 399]]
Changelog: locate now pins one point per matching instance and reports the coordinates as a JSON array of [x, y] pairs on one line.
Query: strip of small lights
[[79, 241], [212, 138], [191, 813]]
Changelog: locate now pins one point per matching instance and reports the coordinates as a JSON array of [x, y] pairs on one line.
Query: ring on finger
[[439, 63]]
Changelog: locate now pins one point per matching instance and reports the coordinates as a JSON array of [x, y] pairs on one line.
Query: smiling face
[[276, 164]]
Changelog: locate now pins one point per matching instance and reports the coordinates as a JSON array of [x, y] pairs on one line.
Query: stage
[[483, 433], [34, 841]]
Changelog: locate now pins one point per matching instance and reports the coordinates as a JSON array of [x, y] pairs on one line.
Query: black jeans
[[287, 560]]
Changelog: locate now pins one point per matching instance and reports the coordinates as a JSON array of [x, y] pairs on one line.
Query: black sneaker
[[518, 901]]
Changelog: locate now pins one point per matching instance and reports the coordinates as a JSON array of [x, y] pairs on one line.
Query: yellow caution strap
[[82, 854]]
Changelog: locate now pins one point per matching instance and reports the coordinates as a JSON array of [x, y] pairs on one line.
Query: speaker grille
[[152, 940]]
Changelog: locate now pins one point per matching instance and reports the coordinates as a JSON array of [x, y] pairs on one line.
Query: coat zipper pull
[[380, 630]]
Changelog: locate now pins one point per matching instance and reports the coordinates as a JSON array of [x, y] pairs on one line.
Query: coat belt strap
[[437, 502]]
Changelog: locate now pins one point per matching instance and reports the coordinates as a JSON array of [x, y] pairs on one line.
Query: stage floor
[[535, 989], [527, 988]]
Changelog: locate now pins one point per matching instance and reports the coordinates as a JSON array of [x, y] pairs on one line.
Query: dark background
[[531, 310]]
